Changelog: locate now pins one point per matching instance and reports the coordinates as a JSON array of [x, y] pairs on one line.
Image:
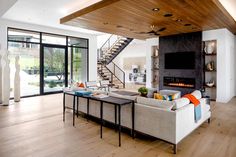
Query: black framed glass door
[[53, 69]]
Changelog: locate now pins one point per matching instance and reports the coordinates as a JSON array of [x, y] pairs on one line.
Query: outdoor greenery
[[54, 62]]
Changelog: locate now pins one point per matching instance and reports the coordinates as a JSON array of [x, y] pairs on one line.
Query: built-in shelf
[[155, 56], [210, 70], [155, 66], [213, 54], [210, 55], [209, 86]]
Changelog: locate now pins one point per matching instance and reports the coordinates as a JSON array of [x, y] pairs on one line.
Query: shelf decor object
[[6, 79], [17, 80], [210, 66], [210, 71], [210, 83], [210, 47]]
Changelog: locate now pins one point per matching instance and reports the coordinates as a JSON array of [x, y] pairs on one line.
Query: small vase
[[209, 48]]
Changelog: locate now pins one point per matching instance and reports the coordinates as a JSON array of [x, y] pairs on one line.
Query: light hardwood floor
[[34, 127]]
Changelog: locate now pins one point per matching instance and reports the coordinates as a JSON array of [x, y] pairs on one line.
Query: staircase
[[107, 69]]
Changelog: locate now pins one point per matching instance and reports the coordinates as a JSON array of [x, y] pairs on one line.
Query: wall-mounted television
[[180, 60]]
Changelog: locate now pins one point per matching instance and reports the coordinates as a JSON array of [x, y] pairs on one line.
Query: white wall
[[92, 40], [137, 48], [101, 39], [226, 58]]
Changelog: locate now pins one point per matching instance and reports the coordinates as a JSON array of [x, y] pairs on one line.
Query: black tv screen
[[180, 60]]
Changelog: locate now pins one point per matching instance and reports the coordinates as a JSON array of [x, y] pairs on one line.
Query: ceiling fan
[[153, 31]]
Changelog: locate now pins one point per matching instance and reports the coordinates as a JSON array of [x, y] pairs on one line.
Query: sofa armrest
[[184, 121], [156, 122]]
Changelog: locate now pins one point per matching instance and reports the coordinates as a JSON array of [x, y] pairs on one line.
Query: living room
[[117, 78]]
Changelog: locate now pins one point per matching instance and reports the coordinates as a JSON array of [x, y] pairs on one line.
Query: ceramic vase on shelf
[[209, 48], [6, 78], [17, 80], [156, 52], [0, 78]]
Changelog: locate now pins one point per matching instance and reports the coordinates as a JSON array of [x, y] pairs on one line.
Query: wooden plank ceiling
[[142, 19]]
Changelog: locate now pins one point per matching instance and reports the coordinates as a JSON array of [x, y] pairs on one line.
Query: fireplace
[[179, 82]]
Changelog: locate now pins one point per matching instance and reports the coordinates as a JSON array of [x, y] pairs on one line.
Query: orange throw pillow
[[193, 99], [82, 85]]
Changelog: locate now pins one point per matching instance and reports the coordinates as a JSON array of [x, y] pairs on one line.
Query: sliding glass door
[[53, 68]]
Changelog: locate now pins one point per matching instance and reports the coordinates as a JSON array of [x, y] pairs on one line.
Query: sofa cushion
[[181, 102], [163, 104], [170, 92], [122, 96], [197, 94]]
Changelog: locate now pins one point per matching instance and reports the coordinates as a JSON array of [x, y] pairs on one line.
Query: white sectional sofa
[[153, 117]]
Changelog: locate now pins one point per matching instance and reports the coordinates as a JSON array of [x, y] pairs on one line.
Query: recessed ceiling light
[[105, 23], [179, 20], [162, 29], [119, 26], [168, 15], [155, 9]]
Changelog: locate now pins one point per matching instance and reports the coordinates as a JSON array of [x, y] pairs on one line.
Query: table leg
[[74, 111], [133, 121], [101, 112], [119, 124], [64, 107], [115, 118], [77, 106], [87, 108]]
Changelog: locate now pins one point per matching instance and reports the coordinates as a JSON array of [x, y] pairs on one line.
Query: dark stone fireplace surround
[[189, 42]]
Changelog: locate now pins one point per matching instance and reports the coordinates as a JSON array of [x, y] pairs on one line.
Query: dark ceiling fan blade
[[162, 29], [142, 32], [151, 32]]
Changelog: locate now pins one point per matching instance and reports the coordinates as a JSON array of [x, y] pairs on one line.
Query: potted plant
[[143, 91]]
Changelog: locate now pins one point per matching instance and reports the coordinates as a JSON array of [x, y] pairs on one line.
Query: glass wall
[[77, 62], [47, 60], [26, 44]]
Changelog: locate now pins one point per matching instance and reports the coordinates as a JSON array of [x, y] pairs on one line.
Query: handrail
[[123, 73], [106, 42], [118, 67]]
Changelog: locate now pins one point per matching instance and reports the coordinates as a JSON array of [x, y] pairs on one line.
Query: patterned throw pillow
[[172, 97], [159, 96], [165, 97]]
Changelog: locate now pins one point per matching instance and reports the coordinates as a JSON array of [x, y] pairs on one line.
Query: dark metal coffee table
[[117, 102]]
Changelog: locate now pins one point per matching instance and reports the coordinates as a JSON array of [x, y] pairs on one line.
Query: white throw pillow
[[163, 104], [181, 102], [197, 94]]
